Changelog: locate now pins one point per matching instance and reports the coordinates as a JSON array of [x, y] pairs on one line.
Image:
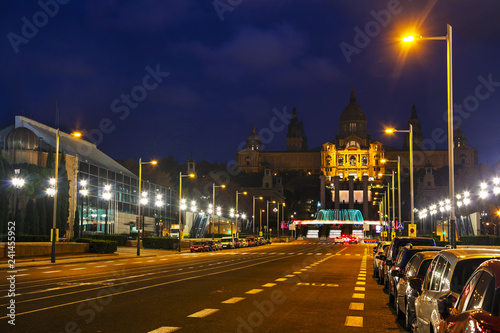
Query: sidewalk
[[123, 252]]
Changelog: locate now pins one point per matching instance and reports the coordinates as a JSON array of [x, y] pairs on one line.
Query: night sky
[[193, 76]]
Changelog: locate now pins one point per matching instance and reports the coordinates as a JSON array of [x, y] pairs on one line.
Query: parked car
[[477, 308], [399, 266], [398, 243], [381, 265], [447, 275], [251, 241], [406, 295], [338, 240], [198, 246], [377, 251], [212, 245], [227, 242], [242, 242]]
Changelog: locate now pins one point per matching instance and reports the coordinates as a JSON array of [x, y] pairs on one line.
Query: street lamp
[[412, 201], [237, 212], [54, 215], [451, 164], [393, 197], [106, 195], [260, 221], [267, 212], [190, 175], [83, 193], [158, 204], [153, 162], [253, 212], [213, 205], [18, 183], [399, 183]]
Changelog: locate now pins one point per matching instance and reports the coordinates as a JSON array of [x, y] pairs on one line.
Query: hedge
[[121, 240], [28, 238], [165, 243], [102, 246], [480, 240], [82, 240]]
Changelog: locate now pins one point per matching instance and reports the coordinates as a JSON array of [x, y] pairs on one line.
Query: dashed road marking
[[356, 306], [361, 283], [280, 279], [268, 285], [233, 300], [165, 329], [357, 295], [254, 291], [354, 321], [289, 275], [359, 288], [51, 272], [203, 313], [76, 269]]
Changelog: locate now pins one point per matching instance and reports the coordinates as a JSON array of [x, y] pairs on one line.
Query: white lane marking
[[78, 268], [233, 300], [165, 329], [356, 306], [267, 285], [254, 291], [50, 272], [118, 264], [356, 295], [22, 269], [354, 321], [100, 266], [21, 274], [203, 313], [359, 289], [43, 267]]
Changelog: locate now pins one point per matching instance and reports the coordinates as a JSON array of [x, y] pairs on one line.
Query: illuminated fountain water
[[352, 216]]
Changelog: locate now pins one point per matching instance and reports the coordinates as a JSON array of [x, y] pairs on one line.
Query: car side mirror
[[380, 257], [388, 262], [396, 273], [416, 283]]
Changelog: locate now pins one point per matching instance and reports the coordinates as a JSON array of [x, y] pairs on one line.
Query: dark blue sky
[[198, 78]]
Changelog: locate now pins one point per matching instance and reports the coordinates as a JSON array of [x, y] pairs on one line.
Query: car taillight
[[480, 327]]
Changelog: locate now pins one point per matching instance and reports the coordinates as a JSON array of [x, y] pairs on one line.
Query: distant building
[[350, 164], [28, 141]]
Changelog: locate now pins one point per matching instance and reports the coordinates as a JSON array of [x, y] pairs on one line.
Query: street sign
[[400, 225], [412, 230]]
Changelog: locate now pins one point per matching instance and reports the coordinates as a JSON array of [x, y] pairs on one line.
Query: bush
[[83, 240], [480, 240], [28, 238], [121, 240], [102, 246], [165, 243]]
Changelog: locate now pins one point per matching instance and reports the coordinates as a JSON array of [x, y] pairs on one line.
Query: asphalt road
[[304, 286]]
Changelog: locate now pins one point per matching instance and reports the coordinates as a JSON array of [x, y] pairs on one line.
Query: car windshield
[[423, 268], [198, 243], [462, 272]]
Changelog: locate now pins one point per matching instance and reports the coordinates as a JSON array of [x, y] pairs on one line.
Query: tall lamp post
[[18, 183], [412, 201], [139, 198], [213, 208], [253, 213], [451, 164], [260, 221], [106, 195], [190, 175], [267, 212], [399, 183], [54, 216], [237, 212], [83, 193]]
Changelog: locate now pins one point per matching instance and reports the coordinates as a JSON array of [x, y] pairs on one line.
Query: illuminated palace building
[[350, 167]]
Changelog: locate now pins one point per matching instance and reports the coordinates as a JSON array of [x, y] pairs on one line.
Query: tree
[[43, 228]]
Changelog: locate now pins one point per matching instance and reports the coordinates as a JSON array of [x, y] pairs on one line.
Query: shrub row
[[99, 246], [480, 240], [28, 238], [121, 240], [165, 243]]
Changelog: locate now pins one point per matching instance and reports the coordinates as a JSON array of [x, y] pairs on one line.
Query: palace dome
[[353, 112], [21, 138]]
